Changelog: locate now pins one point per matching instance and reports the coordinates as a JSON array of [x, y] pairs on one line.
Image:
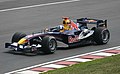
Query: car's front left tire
[[49, 45]]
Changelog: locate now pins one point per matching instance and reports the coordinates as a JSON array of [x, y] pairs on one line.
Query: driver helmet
[[66, 23]]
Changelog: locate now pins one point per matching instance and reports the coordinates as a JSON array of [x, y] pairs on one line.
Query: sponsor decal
[[72, 39]]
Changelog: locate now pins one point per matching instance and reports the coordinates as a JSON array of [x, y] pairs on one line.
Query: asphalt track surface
[[37, 18]]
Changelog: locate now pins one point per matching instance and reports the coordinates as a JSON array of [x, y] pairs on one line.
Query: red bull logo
[[73, 39]]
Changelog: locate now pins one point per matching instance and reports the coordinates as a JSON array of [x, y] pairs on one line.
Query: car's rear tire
[[49, 45], [17, 36], [101, 35]]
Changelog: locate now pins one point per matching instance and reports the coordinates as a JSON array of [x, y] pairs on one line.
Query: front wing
[[15, 46]]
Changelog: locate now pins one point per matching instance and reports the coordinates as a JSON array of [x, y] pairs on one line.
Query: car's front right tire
[[17, 36]]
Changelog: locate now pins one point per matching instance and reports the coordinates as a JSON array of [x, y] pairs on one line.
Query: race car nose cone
[[22, 41]]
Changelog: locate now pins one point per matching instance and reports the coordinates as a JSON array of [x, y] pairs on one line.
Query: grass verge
[[109, 65]]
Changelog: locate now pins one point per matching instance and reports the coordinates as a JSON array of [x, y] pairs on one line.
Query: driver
[[66, 25]]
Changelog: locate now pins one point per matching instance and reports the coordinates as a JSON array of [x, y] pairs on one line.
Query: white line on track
[[27, 68], [47, 4]]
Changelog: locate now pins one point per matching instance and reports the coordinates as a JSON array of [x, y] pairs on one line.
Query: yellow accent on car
[[22, 41]]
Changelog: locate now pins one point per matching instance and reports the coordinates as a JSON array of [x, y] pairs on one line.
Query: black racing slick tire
[[101, 35], [17, 36], [49, 45]]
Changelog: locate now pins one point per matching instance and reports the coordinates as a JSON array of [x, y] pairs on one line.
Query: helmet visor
[[66, 22]]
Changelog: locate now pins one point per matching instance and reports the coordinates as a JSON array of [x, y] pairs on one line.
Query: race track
[[37, 18]]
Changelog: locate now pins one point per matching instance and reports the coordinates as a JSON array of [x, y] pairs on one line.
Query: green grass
[[109, 65]]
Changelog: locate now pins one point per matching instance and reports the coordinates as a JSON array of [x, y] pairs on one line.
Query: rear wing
[[99, 23]]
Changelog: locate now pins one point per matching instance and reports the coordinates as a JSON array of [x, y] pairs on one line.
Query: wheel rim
[[52, 45], [105, 36]]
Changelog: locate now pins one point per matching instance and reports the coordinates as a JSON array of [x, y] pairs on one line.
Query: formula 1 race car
[[89, 31]]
